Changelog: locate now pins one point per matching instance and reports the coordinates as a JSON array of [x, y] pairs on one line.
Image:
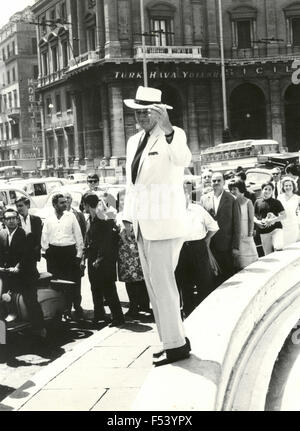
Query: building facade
[[20, 129], [91, 59]]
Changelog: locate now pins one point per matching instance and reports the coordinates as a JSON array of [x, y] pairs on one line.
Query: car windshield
[[76, 198], [258, 177]]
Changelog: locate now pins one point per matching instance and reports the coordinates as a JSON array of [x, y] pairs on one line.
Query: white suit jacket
[[156, 202]]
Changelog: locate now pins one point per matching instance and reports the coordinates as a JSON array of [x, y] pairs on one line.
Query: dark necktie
[[276, 191], [137, 157]]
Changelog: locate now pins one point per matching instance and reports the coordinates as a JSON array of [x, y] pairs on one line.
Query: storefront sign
[[203, 71]]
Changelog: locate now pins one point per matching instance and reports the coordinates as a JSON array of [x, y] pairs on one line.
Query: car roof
[[265, 170]]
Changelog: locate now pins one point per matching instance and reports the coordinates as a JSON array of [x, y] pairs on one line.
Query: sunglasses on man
[[92, 181]]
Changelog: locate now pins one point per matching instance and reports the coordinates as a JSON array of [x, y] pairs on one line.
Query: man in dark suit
[[32, 225], [16, 254], [225, 210], [100, 250]]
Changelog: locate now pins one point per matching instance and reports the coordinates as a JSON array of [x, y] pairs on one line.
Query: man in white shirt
[[62, 240], [194, 269]]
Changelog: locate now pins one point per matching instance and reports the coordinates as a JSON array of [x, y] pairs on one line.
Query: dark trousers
[[63, 264], [193, 269], [225, 262], [104, 286], [138, 295]]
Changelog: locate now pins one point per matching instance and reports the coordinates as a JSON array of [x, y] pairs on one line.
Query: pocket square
[[154, 153]]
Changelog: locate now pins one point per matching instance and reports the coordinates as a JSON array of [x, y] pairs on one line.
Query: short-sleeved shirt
[[264, 206], [199, 223]]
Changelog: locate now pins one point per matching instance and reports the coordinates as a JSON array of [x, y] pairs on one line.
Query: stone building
[[20, 131], [90, 59]]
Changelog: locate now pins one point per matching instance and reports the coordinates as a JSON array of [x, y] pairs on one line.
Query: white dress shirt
[[199, 223], [62, 232], [10, 235], [26, 224], [217, 200]]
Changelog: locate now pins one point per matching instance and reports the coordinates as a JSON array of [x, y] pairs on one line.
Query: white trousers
[[159, 260], [272, 241]]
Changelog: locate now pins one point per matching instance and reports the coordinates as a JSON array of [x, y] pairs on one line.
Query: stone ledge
[[246, 319]]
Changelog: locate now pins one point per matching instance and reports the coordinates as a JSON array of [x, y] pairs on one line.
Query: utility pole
[[224, 96], [145, 72]]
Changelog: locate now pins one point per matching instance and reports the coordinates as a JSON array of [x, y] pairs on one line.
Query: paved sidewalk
[[104, 372]]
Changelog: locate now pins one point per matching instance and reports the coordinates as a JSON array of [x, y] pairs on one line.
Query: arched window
[[53, 42], [161, 15], [243, 24], [63, 34], [292, 17], [43, 44]]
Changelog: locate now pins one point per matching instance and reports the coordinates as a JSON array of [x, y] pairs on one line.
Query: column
[[116, 120], [89, 128], [74, 27], [55, 149], [112, 44], [212, 18], [199, 25], [105, 121], [193, 138], [81, 27], [136, 22], [100, 27], [202, 102], [44, 162], [216, 110], [275, 104], [66, 149], [78, 129], [187, 22], [271, 21]]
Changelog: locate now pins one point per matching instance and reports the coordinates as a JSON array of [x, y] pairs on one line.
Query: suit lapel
[[151, 142], [223, 199]]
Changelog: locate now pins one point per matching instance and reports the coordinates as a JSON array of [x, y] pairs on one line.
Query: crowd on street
[[214, 233]]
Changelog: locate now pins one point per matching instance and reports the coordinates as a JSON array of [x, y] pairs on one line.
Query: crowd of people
[[171, 250]]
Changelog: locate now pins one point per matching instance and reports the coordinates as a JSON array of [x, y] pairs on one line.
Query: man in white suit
[[155, 209]]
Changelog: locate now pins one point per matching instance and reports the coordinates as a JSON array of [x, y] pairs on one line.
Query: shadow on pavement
[[136, 327], [25, 349], [210, 370], [5, 391]]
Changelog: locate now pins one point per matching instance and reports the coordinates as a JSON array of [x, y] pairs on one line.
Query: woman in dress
[[247, 249], [130, 269], [290, 201]]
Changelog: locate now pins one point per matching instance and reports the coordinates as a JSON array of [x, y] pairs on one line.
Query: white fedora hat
[[145, 98]]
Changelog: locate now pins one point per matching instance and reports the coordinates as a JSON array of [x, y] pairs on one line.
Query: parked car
[[10, 193], [76, 191], [255, 177], [261, 173], [39, 188], [77, 178]]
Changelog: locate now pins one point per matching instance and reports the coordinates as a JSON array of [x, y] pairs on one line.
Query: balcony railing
[[168, 52], [14, 111], [58, 124], [85, 59], [52, 77]]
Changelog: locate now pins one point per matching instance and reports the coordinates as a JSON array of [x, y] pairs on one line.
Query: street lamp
[[145, 73], [225, 115]]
